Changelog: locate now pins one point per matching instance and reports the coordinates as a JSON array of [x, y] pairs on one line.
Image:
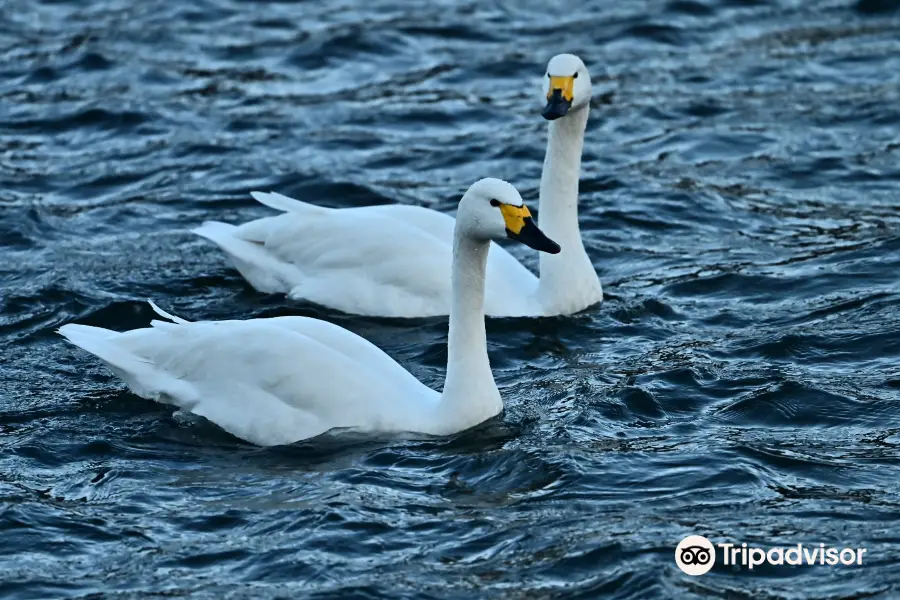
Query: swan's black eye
[[495, 202], [575, 76]]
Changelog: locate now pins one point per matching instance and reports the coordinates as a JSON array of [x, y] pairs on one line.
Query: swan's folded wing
[[359, 262], [432, 222], [355, 347], [386, 260], [272, 384], [429, 220]]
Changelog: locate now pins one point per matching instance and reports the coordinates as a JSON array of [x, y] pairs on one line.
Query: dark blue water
[[740, 199]]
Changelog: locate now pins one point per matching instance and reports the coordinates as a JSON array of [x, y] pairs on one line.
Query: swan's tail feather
[[141, 374], [215, 231], [265, 272], [78, 332], [163, 313], [102, 343], [285, 204]]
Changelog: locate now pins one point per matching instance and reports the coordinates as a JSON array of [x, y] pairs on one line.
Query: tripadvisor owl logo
[[695, 555]]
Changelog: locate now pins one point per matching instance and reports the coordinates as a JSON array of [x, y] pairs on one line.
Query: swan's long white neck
[[470, 395], [568, 282]]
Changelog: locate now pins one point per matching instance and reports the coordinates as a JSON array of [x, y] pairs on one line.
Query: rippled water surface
[[739, 197]]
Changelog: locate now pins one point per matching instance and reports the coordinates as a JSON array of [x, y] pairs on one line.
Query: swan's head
[[493, 209], [567, 86]]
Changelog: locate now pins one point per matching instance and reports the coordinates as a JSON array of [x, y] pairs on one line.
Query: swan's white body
[[396, 259], [267, 381], [280, 380], [392, 260]]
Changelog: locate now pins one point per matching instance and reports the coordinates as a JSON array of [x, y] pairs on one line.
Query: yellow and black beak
[[520, 227], [559, 98]]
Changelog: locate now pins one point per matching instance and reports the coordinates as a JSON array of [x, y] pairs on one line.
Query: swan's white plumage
[[283, 379], [385, 260], [568, 281], [267, 381], [394, 260]]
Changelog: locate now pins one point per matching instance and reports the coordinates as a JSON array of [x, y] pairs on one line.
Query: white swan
[[568, 283], [397, 259], [280, 380]]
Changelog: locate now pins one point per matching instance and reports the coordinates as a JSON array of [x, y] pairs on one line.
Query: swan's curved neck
[[470, 395], [568, 279]]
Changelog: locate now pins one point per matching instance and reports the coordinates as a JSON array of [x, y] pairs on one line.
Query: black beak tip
[[556, 107], [550, 113], [534, 238]]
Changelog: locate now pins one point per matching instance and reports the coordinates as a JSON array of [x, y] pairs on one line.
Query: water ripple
[[739, 199]]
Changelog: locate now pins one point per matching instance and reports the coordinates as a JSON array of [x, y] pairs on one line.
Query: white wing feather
[[267, 381], [388, 260]]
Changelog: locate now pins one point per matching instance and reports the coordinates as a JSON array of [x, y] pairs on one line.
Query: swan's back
[[267, 381], [385, 260]]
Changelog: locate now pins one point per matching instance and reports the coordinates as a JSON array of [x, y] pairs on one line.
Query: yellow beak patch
[[515, 216], [564, 83]]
